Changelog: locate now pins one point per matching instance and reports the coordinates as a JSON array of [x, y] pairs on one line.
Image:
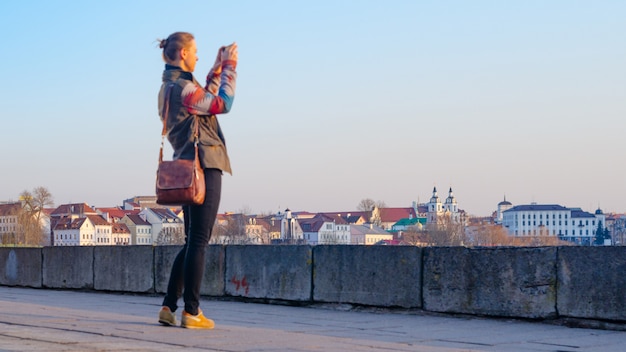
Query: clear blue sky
[[336, 100]]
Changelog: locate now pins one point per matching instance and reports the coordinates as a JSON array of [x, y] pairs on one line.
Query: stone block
[[124, 268], [68, 267], [273, 272], [507, 282], [387, 276], [213, 282], [592, 282], [20, 266]]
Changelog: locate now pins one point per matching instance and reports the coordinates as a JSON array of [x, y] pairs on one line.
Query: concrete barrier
[[271, 272], [20, 267], [68, 267], [123, 268], [213, 282], [370, 275], [592, 282], [510, 282], [540, 283]]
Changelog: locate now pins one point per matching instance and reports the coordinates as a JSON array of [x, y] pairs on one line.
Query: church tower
[[435, 208], [451, 207], [502, 207]]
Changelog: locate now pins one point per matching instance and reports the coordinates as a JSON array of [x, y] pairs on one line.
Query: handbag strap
[[166, 111]]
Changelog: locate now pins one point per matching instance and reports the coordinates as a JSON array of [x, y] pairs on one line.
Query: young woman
[[191, 104]]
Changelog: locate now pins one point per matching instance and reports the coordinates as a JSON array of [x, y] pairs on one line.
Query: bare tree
[[372, 208], [29, 218], [245, 210], [233, 231], [488, 235], [415, 237], [367, 204], [170, 236], [495, 235], [445, 232], [36, 201]]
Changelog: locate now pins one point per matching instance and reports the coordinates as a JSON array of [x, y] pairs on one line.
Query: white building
[[103, 230], [569, 224], [502, 207], [323, 229], [166, 225], [67, 232], [121, 234], [290, 230], [86, 231], [140, 229], [9, 227], [368, 234]]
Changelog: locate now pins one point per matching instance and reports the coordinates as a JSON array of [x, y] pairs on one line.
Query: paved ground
[[50, 320]]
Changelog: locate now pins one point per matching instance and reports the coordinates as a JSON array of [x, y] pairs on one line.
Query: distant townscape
[[439, 222]]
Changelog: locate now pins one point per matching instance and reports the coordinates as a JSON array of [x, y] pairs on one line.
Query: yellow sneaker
[[166, 317], [196, 321]]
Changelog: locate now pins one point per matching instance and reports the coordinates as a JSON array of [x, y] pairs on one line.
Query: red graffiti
[[240, 284]]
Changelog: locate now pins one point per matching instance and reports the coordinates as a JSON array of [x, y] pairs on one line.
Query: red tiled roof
[[395, 214], [117, 212], [119, 228], [422, 209], [62, 224], [76, 208], [350, 217], [164, 213], [9, 209], [315, 223], [311, 225], [97, 220], [345, 214], [137, 220]]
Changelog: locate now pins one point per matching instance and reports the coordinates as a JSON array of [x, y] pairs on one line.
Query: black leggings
[[188, 269]]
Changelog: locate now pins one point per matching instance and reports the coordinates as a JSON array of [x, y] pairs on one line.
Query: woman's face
[[189, 57]]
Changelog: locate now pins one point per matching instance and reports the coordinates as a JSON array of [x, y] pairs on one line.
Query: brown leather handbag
[[179, 182]]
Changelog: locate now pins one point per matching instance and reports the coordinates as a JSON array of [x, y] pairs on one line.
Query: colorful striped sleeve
[[213, 82], [199, 101]]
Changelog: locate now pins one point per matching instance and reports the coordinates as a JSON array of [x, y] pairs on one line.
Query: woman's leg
[[201, 221], [175, 284]]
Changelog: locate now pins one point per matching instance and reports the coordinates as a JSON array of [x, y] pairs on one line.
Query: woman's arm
[[213, 77], [213, 100], [199, 101]]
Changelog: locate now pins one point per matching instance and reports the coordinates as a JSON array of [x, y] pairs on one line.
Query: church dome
[[599, 212], [504, 202]]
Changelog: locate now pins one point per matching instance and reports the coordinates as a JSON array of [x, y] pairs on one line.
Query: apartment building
[[569, 224], [9, 226]]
